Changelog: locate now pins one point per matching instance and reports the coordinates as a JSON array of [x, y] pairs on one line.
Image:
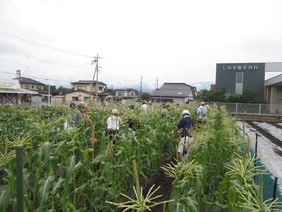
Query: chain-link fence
[[252, 108]]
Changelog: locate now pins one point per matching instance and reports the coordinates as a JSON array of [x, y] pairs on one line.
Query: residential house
[[11, 93], [58, 100], [125, 94], [174, 92], [85, 90], [30, 84]]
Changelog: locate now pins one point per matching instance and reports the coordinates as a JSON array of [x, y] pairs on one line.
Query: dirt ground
[[160, 179], [165, 183], [266, 134]]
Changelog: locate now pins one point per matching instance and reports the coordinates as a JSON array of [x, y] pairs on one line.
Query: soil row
[[266, 134]]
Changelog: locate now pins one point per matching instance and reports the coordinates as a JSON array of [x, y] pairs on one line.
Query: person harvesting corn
[[202, 112], [186, 124], [75, 116], [113, 124]]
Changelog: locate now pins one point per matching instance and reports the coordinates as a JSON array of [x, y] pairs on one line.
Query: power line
[[6, 72], [36, 55], [42, 45], [12, 62], [44, 78]]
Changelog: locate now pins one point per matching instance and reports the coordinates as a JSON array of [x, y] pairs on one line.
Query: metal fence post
[[19, 177], [259, 109], [274, 188], [256, 147], [256, 152]]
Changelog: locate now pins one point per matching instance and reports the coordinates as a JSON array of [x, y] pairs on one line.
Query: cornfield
[[82, 170]]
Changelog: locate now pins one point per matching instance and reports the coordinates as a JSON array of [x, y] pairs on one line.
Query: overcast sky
[[54, 41]]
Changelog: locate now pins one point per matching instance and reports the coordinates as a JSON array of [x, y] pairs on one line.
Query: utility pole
[[49, 93], [95, 60], [18, 73], [97, 84], [141, 86], [157, 82]]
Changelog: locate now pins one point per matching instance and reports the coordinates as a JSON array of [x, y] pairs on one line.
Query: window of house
[[74, 98], [119, 93], [26, 87], [132, 94], [80, 87], [100, 88], [86, 99]]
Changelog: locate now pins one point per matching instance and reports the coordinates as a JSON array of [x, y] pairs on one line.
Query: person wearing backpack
[[202, 113], [186, 124]]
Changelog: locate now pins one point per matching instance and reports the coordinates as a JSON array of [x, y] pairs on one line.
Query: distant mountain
[[149, 89], [202, 85], [145, 88]]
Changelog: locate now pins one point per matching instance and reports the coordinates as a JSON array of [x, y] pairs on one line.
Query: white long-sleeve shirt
[[113, 123]]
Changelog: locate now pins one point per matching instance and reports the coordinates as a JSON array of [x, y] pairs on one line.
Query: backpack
[[203, 111]]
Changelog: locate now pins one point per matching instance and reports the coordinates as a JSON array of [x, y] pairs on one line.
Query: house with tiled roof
[[33, 85], [85, 90], [174, 92], [125, 94]]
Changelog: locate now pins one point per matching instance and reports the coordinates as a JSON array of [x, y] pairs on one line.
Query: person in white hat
[[144, 105], [113, 124], [186, 124], [202, 113]]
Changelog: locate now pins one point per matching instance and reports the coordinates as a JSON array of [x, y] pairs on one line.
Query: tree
[[111, 91], [212, 96], [232, 97], [221, 96], [52, 88], [63, 90], [248, 97], [145, 96]]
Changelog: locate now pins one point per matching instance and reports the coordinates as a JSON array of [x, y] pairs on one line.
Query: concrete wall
[[253, 80], [256, 117], [58, 100]]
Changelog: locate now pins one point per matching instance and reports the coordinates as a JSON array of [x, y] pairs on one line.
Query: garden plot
[[280, 124], [269, 152], [272, 129]]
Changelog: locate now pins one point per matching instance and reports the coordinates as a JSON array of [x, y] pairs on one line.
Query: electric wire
[[12, 62], [33, 54], [42, 45], [107, 62], [36, 77]]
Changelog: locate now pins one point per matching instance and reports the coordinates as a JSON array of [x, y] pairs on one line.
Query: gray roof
[[174, 90], [28, 81], [88, 82], [92, 93], [17, 90], [274, 81], [125, 89]]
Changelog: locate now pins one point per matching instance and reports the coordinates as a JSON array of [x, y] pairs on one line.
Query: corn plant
[[140, 203], [81, 169], [227, 170]]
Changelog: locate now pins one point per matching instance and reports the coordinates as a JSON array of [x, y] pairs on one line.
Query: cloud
[[173, 41]]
